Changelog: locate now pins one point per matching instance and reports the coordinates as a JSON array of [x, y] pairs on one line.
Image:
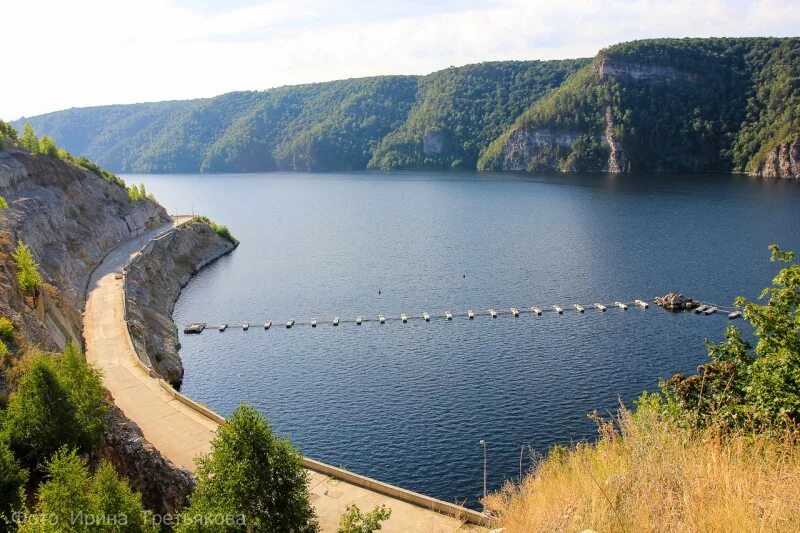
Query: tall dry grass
[[645, 475]]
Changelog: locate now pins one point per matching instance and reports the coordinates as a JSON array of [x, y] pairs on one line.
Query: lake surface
[[408, 403]]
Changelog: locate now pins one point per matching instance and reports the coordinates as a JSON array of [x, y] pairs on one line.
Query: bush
[[219, 229], [748, 388], [354, 521], [12, 483], [6, 329], [59, 401], [137, 193], [29, 140], [28, 275], [3, 203], [47, 146], [252, 477], [71, 496]]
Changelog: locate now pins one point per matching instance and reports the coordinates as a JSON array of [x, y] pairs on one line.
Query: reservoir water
[[408, 403]]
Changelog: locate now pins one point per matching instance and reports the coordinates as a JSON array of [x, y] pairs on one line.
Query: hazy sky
[[62, 53]]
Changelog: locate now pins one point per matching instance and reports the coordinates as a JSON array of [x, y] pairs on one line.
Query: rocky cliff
[[783, 161], [154, 281], [71, 218]]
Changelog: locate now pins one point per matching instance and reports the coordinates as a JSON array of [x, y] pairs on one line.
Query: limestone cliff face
[[618, 69], [154, 282], [617, 160], [535, 150], [783, 161], [70, 218]]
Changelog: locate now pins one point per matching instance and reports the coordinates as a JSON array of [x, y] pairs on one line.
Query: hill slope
[[692, 105]]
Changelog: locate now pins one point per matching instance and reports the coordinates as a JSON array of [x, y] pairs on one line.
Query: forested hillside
[[337, 125], [689, 105]]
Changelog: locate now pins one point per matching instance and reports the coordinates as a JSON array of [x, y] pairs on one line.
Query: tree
[[58, 402], [28, 274], [252, 480], [29, 140], [12, 483], [73, 500], [746, 387], [47, 146], [354, 521]]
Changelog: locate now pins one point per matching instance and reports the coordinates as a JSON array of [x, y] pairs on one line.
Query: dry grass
[[643, 475]]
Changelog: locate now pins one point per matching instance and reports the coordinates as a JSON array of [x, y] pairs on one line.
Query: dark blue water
[[408, 403]]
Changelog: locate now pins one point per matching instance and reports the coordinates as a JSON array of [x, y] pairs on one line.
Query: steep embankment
[[154, 282], [71, 218], [690, 105], [441, 120]]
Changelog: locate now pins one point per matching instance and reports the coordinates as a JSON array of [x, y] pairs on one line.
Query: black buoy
[[464, 276], [379, 291]]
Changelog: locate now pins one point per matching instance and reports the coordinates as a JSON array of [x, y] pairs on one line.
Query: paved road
[[181, 433]]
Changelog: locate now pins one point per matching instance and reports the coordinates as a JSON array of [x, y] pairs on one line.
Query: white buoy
[[358, 320], [267, 324], [471, 314], [578, 308], [448, 315], [246, 326], [493, 313], [621, 305], [600, 307], [404, 318], [313, 322], [289, 323], [558, 310], [642, 303], [536, 311], [427, 316], [223, 326], [382, 319], [336, 321], [514, 311]]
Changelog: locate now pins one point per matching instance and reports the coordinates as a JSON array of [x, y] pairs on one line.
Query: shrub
[[8, 135], [29, 140], [745, 387], [219, 229], [47, 146], [354, 521], [6, 329], [59, 401], [3, 203], [12, 483], [71, 496], [137, 193], [28, 275], [253, 477]]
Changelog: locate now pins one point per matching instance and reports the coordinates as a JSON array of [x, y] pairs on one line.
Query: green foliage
[[12, 484], [58, 402], [219, 229], [47, 146], [28, 275], [354, 521], [8, 135], [71, 499], [252, 479], [3, 203], [29, 140], [692, 105], [742, 386], [6, 329], [137, 193]]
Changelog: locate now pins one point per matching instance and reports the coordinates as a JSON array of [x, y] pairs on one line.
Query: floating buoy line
[[513, 312]]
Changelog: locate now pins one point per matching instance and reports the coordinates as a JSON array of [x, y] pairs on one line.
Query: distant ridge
[[688, 105]]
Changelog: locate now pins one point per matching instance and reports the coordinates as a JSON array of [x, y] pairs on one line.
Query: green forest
[[692, 105]]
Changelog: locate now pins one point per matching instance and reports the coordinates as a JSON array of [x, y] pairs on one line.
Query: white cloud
[[93, 52]]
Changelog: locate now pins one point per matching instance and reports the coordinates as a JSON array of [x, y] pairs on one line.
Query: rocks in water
[[676, 302]]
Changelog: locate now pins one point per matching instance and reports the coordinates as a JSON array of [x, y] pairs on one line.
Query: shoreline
[[182, 428]]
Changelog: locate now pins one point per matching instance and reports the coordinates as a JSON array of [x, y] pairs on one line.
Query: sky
[[82, 53]]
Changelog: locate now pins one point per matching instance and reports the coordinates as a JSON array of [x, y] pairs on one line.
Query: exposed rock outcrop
[[163, 486], [676, 302], [783, 161], [535, 150], [154, 282], [432, 142], [71, 218], [617, 161], [610, 67]]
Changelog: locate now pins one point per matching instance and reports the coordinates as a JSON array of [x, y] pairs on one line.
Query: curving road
[[182, 433]]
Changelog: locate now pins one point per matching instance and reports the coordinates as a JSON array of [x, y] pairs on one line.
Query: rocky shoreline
[[154, 280]]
